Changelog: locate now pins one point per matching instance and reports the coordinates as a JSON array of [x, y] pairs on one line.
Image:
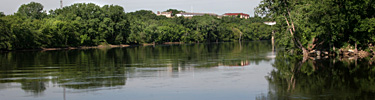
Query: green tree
[[32, 10], [26, 33], [207, 27], [114, 25], [6, 37]]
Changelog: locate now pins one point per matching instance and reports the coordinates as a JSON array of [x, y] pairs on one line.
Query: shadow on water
[[95, 68], [328, 79]]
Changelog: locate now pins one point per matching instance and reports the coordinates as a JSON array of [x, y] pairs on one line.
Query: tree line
[[322, 24], [87, 24]]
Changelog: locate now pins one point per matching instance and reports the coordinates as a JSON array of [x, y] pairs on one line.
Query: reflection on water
[[190, 71], [330, 79], [234, 69]]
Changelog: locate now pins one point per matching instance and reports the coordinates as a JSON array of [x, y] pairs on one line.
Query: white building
[[194, 14], [166, 14], [241, 15]]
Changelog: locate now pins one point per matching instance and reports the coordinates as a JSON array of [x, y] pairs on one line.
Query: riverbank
[[103, 46], [85, 47], [342, 54]]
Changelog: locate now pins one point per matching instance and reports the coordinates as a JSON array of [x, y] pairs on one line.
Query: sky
[[199, 6]]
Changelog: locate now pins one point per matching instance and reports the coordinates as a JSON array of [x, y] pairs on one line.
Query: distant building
[[242, 15], [194, 14], [166, 14]]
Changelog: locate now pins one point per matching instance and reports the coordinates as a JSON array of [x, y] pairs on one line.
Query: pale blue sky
[[202, 6]]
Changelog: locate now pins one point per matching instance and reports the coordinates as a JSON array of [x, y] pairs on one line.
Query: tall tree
[[32, 10], [6, 37]]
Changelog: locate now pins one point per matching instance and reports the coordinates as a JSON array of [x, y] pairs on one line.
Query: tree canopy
[[32, 10]]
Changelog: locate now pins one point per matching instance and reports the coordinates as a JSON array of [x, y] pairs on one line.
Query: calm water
[[223, 71]]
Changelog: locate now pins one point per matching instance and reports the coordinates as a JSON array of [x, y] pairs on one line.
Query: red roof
[[235, 14]]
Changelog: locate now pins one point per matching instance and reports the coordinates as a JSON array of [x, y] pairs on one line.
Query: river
[[212, 71]]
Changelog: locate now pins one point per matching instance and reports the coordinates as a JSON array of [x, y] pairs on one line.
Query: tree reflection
[[91, 69], [35, 87], [75, 69], [321, 79]]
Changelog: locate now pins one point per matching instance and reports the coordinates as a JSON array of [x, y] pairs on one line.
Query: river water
[[219, 71]]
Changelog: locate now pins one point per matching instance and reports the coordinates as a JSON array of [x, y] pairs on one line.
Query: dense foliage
[[90, 25], [322, 24]]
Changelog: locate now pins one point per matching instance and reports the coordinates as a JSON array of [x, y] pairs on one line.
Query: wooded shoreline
[[307, 27], [104, 46], [88, 24]]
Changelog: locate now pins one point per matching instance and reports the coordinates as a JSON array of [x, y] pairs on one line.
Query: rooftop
[[234, 14], [198, 14]]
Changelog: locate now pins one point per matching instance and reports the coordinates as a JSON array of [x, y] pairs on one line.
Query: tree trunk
[[66, 41], [290, 30], [296, 40], [273, 41], [239, 39], [294, 29], [305, 54], [355, 50]]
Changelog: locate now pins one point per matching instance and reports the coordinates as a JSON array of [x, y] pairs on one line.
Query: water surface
[[218, 71], [321, 78]]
